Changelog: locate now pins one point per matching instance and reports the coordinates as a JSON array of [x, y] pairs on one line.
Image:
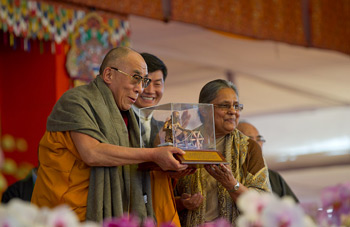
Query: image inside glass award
[[189, 127]]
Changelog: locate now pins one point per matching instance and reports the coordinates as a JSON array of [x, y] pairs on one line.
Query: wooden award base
[[193, 158], [199, 158]]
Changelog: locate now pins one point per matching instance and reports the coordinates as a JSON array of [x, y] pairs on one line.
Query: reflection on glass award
[[189, 127]]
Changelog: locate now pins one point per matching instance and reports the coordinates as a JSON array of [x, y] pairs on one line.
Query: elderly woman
[[212, 191]]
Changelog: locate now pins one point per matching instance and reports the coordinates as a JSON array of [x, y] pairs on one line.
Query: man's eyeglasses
[[260, 138], [137, 78], [227, 107]]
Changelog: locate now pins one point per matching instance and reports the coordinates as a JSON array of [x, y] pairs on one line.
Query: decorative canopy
[[312, 23], [56, 22]]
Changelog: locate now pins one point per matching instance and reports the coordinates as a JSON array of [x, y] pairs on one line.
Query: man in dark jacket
[[278, 184], [21, 189]]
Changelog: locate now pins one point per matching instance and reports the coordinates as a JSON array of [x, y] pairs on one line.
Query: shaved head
[[247, 129], [114, 55], [250, 131], [119, 70]]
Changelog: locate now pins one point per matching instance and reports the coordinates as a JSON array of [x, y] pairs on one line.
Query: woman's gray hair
[[211, 89]]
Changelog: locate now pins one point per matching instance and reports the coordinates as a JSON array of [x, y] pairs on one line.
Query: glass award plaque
[[189, 127]]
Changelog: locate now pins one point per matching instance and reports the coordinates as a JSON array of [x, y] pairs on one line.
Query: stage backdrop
[[36, 69]]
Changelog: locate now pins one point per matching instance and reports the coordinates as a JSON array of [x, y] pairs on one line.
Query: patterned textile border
[[331, 28], [147, 8], [278, 20], [314, 23], [51, 21]]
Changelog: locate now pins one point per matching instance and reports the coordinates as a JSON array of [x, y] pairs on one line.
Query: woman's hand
[[223, 174]]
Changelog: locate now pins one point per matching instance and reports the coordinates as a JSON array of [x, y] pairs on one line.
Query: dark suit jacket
[[280, 186], [156, 126], [21, 189]]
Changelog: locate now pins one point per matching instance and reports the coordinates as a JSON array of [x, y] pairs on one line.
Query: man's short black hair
[[154, 64]]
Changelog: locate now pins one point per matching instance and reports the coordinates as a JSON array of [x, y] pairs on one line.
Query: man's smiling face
[[154, 92]]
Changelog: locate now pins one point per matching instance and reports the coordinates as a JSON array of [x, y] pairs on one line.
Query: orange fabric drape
[[60, 162], [163, 199]]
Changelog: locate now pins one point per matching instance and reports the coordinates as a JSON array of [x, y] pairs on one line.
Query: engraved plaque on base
[[201, 157], [187, 126]]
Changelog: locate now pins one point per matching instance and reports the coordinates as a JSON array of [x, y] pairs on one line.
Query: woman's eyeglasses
[[227, 107]]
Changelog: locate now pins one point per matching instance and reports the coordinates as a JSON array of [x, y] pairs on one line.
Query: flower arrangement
[[257, 210], [267, 210], [132, 221], [25, 214], [22, 213], [335, 209]]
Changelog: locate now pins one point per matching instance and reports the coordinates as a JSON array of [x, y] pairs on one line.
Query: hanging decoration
[[37, 20], [50, 22], [90, 42]]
